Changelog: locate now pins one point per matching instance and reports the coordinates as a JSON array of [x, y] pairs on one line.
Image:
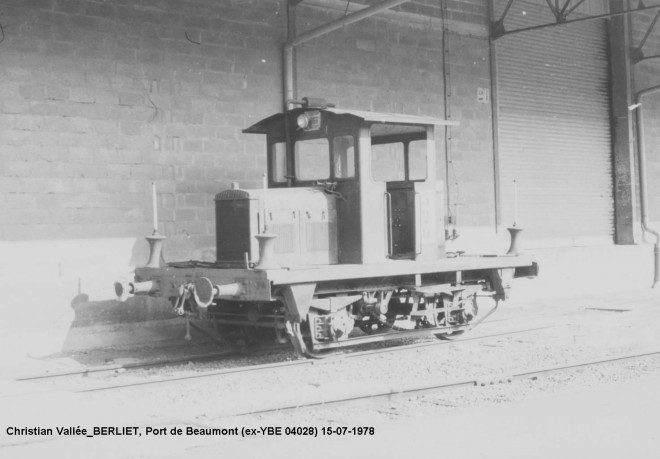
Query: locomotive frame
[[343, 245]]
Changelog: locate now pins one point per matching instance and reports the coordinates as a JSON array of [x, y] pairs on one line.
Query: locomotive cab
[[377, 171]]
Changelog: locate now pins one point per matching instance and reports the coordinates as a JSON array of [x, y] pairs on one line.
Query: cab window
[[312, 158], [399, 161], [388, 162], [343, 157], [398, 152], [417, 160], [278, 163]]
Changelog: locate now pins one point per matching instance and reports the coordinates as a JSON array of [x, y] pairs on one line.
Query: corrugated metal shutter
[[554, 130]]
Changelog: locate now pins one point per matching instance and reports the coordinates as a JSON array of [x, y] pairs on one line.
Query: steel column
[[494, 104], [622, 131]]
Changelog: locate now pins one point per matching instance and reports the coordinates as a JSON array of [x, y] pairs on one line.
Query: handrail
[[418, 223], [388, 223], [643, 192]]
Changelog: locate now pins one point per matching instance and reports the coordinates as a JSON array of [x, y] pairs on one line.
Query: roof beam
[[292, 42], [498, 30], [638, 53], [344, 21]]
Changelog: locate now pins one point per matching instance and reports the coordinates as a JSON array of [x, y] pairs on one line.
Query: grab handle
[[418, 223], [388, 223]]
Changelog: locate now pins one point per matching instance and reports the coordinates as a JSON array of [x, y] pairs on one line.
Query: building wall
[[99, 99]]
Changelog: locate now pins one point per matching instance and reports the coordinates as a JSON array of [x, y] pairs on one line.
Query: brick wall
[[98, 99]]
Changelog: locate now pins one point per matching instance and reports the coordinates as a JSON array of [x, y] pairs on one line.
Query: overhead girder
[[638, 53], [296, 40], [561, 13]]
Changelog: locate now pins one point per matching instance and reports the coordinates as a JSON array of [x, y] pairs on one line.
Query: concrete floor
[[612, 421], [607, 420]]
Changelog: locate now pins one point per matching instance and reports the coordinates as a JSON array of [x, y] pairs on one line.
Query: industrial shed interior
[[558, 134]]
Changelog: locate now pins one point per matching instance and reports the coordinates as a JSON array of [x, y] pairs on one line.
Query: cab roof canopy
[[275, 123]]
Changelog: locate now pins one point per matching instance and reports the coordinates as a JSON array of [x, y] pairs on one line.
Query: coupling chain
[[185, 293]]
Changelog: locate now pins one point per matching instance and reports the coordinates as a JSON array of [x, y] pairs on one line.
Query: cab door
[[389, 165], [402, 219], [347, 192], [402, 164]]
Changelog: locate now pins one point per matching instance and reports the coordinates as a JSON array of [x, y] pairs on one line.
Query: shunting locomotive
[[343, 244]]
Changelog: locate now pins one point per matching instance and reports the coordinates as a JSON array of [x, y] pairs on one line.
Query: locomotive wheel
[[371, 327], [450, 336], [300, 343]]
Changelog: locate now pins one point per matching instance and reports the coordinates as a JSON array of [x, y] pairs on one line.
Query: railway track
[[127, 366], [229, 353], [278, 365], [117, 372], [407, 392], [432, 389], [486, 345]]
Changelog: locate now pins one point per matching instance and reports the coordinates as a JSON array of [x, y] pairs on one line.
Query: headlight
[[302, 121]]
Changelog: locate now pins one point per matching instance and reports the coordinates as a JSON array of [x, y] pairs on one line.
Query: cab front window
[[343, 154], [312, 159], [388, 162], [398, 153], [315, 159], [278, 163]]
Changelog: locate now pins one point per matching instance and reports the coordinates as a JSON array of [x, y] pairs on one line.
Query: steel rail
[[284, 347], [231, 352], [536, 373], [430, 389], [276, 365], [210, 356], [126, 366]]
